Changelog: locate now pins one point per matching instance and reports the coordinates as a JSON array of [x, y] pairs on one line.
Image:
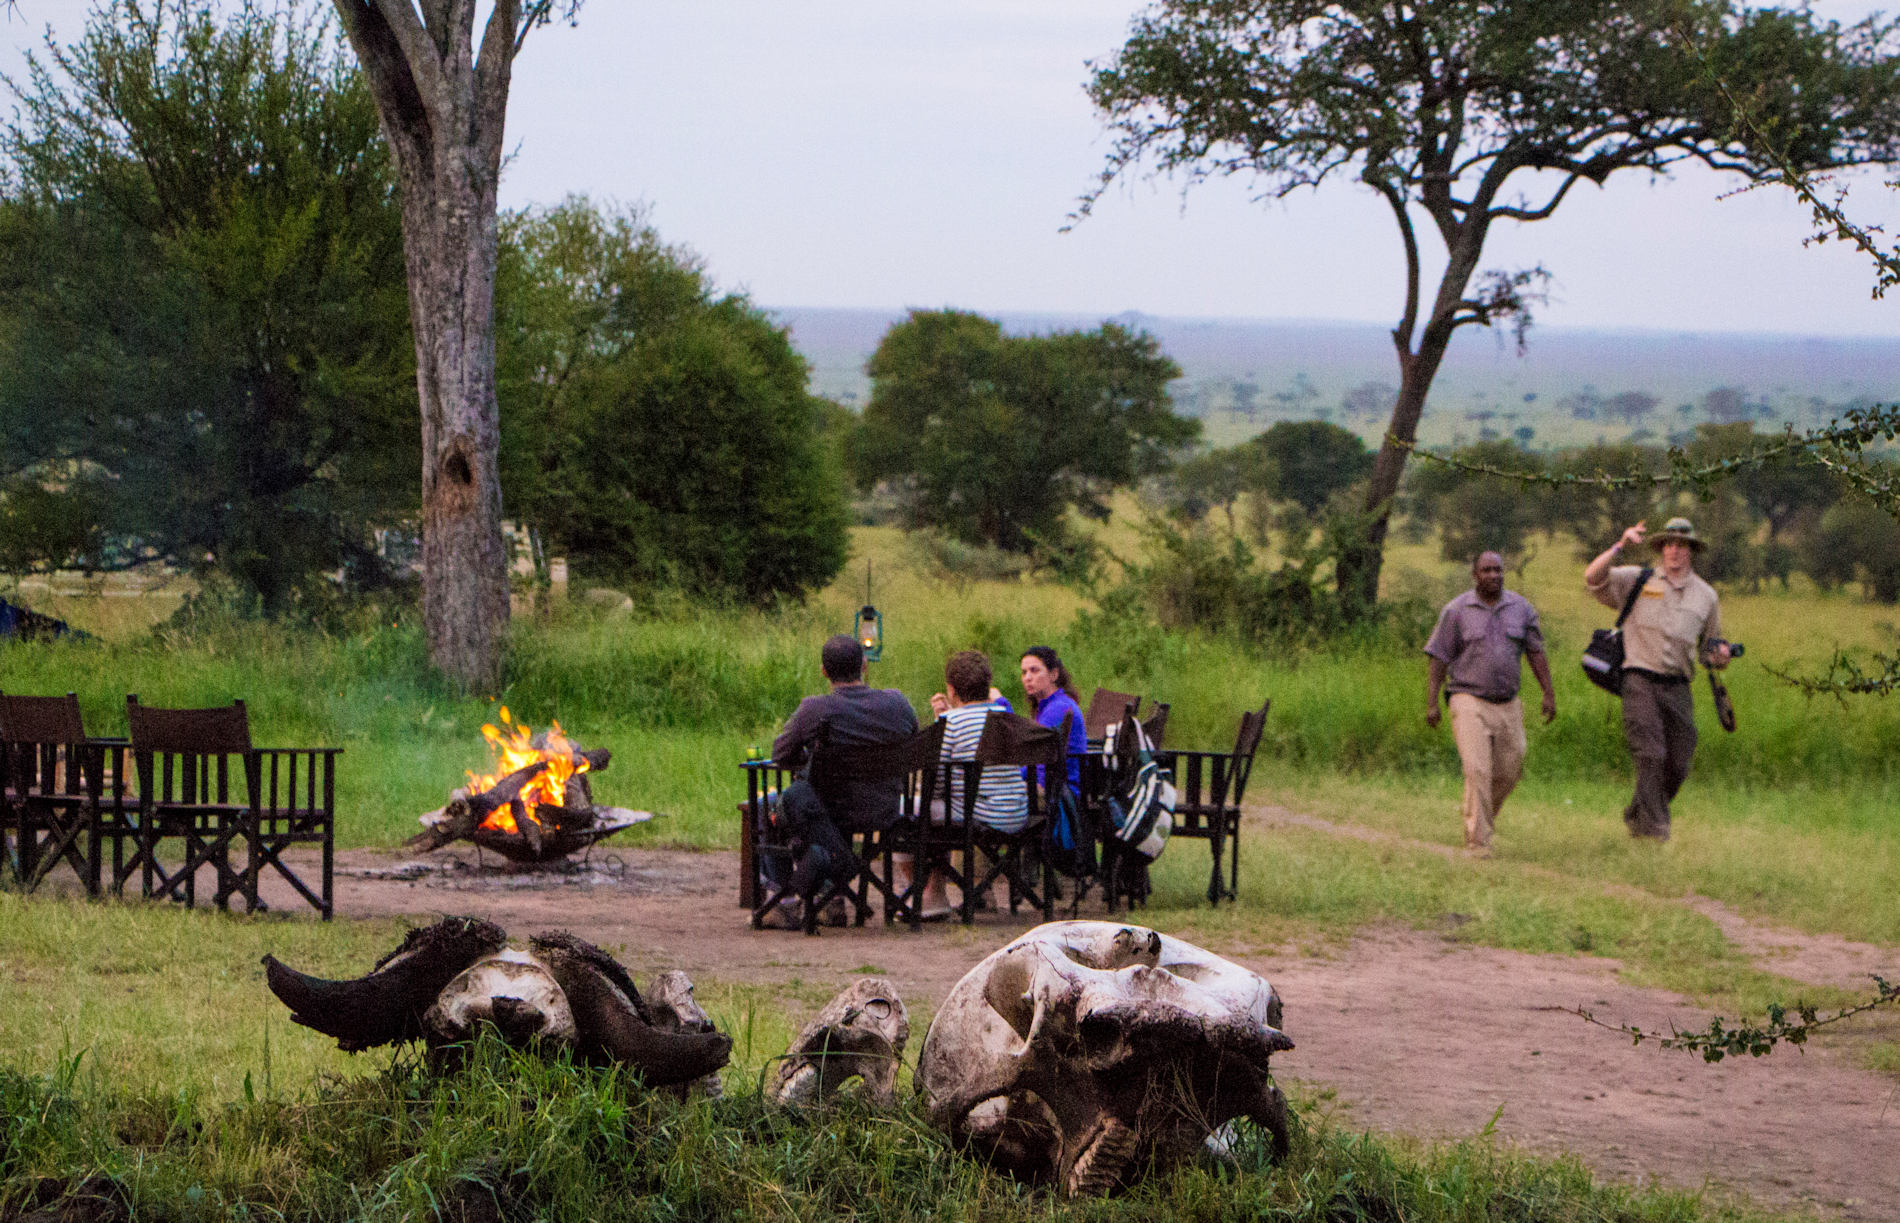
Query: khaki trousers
[[1659, 726], [1490, 741]]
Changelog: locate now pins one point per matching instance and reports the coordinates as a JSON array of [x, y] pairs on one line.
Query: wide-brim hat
[[1677, 530]]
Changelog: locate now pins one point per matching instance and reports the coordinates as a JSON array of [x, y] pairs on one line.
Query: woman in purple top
[[1051, 691]]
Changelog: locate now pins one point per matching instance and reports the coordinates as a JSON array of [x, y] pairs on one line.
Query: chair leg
[[1048, 870], [94, 837], [1218, 829], [1233, 860], [148, 856], [26, 856], [63, 843]]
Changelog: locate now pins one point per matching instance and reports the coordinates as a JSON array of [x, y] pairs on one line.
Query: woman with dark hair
[[1051, 691]]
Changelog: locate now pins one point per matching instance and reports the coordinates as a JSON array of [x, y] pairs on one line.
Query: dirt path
[[1412, 1032], [1818, 959]]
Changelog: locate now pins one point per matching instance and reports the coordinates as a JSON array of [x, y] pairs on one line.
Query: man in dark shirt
[[852, 714], [1481, 638]]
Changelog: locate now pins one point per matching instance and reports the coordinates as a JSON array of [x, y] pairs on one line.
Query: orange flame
[[513, 750]]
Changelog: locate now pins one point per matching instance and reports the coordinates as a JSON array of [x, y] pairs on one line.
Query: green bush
[[1196, 579]]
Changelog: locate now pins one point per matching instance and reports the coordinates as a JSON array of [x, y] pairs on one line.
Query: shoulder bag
[[1603, 657]]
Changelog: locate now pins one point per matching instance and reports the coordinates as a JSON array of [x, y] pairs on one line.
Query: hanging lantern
[[871, 632]]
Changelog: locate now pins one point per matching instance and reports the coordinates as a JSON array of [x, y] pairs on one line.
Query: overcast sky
[[888, 153]]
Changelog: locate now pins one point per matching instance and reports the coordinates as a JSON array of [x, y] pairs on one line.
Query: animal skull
[[1083, 1048], [448, 979], [676, 1010], [861, 1033]]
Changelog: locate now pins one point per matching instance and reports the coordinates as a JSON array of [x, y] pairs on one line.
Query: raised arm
[[1597, 573]]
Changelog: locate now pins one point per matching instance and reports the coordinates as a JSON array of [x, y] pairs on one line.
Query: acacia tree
[[1464, 113], [443, 108], [991, 438]]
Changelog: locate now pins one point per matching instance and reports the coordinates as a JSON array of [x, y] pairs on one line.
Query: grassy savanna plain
[[139, 1042]]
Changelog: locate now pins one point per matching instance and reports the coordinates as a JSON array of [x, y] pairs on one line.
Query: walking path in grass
[[1818, 959], [1398, 1030]]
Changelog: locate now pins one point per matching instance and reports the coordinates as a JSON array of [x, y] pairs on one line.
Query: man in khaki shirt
[[1675, 619], [1483, 637]]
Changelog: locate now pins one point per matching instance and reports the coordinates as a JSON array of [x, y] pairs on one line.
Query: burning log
[[536, 807]]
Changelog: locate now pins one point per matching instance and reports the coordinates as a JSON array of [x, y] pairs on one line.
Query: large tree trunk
[[449, 234], [442, 112], [1357, 572]]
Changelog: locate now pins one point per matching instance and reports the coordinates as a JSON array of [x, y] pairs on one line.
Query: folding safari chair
[[909, 761], [1209, 788], [51, 779], [1025, 857], [204, 787]]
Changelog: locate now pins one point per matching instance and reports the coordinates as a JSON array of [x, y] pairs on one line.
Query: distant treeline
[[1635, 415]]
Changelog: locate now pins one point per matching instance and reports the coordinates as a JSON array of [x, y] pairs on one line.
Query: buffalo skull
[[447, 980], [1083, 1050]]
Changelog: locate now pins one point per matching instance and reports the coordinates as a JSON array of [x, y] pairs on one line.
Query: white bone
[[1079, 1032]]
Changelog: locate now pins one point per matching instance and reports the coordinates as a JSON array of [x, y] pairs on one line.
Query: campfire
[[535, 805]]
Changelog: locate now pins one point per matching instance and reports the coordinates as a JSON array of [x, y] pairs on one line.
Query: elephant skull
[[1084, 1049]]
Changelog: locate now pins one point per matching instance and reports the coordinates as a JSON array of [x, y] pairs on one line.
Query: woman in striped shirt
[[1002, 799]]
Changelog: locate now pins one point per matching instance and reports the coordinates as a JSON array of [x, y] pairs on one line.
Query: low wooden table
[[762, 778]]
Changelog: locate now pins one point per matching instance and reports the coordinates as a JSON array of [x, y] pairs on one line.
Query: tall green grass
[[516, 1136], [145, 1056], [679, 693]]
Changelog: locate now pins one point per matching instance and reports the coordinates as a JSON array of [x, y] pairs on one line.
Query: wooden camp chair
[[1209, 789], [204, 786], [1107, 708], [912, 762], [51, 780], [1024, 858]]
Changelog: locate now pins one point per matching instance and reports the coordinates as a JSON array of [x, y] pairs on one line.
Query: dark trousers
[[803, 817], [1659, 726]]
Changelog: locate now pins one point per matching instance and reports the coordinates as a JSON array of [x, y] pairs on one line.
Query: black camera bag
[[1603, 657]]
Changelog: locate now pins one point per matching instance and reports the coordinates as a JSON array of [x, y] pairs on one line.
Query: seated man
[[852, 714], [1002, 797]]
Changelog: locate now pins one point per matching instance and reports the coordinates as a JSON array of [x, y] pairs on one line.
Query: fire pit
[[536, 806]]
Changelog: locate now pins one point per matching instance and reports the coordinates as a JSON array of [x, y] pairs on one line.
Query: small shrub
[[956, 561]]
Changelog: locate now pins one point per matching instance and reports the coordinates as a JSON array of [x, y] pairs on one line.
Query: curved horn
[[387, 1005], [614, 1027]]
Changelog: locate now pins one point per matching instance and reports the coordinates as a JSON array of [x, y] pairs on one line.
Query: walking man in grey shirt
[[1481, 640]]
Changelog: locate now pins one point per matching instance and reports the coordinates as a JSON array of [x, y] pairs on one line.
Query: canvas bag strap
[[1629, 602]]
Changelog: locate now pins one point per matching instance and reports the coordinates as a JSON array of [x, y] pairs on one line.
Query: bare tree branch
[[1838, 446], [1844, 677], [1719, 1040]]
